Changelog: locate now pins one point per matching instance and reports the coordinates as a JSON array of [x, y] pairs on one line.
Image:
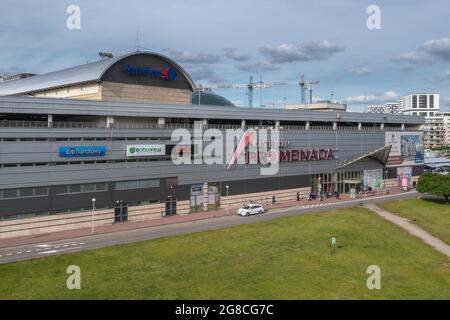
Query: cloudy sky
[[228, 41]]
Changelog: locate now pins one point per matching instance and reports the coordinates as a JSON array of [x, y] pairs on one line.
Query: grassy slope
[[287, 258], [431, 215]]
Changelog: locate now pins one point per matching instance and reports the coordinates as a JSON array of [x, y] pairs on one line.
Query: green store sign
[[146, 150]]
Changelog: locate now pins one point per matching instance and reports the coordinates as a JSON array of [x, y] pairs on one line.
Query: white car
[[251, 209]]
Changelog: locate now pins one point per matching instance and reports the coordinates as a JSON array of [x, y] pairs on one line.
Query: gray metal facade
[[241, 178]]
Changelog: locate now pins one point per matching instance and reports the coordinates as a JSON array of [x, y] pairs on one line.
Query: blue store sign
[[167, 73], [82, 151]]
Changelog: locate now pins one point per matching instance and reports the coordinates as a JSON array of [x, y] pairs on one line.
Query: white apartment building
[[387, 108], [420, 104], [446, 125], [434, 132], [426, 105]]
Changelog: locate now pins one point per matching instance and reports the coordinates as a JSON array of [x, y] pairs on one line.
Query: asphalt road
[[33, 251]]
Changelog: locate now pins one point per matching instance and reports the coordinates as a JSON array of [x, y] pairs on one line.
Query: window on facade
[[23, 193], [137, 184], [75, 188], [10, 194], [101, 187], [26, 192], [41, 191], [88, 187]]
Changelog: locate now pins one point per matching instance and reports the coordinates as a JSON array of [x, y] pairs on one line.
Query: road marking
[[47, 252], [28, 251], [9, 254], [55, 251], [19, 252]]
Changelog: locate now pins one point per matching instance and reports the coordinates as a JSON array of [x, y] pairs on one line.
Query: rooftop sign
[[166, 73]]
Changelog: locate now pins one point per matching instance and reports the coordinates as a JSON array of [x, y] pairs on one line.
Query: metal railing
[[154, 125]]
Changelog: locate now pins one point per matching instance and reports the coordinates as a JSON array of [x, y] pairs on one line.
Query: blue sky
[[227, 41]]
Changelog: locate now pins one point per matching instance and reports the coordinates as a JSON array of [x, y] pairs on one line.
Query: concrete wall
[[73, 221], [65, 222], [82, 92], [117, 92]]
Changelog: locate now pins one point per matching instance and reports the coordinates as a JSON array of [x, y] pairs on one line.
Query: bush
[[435, 184]]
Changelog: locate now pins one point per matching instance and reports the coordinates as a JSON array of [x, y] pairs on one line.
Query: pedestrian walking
[[298, 196], [274, 201]]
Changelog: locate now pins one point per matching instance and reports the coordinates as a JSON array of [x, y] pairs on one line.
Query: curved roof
[[89, 72], [209, 98]]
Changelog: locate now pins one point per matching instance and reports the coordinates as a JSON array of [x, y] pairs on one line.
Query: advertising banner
[[197, 198], [404, 176], [407, 148], [82, 151], [372, 179], [146, 150]]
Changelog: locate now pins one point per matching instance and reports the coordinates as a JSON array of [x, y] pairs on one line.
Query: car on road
[[251, 209]]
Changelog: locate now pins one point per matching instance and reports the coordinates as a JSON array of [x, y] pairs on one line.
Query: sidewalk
[[413, 229], [125, 226]]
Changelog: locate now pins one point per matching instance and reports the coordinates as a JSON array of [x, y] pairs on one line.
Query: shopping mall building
[[103, 131]]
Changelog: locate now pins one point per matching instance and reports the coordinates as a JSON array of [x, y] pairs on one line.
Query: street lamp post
[[228, 201], [93, 214], [385, 179], [320, 188]]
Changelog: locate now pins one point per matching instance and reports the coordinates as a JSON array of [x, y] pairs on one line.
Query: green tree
[[435, 184]]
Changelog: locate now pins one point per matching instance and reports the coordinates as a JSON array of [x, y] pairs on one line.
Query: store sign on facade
[[82, 151], [143, 150]]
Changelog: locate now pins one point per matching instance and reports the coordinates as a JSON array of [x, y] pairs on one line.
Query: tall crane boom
[[311, 85], [250, 86]]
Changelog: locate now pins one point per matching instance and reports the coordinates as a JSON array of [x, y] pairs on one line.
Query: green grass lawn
[[432, 215], [288, 258]]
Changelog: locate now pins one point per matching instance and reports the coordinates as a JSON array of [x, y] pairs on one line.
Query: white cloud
[[201, 72], [439, 49], [411, 60], [190, 57], [308, 51], [258, 67], [360, 71], [236, 54], [440, 78], [373, 98]]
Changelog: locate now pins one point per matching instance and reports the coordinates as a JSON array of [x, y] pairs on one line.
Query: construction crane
[[302, 87], [250, 86], [310, 85]]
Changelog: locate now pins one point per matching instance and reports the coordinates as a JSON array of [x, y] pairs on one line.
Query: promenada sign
[[237, 147]]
